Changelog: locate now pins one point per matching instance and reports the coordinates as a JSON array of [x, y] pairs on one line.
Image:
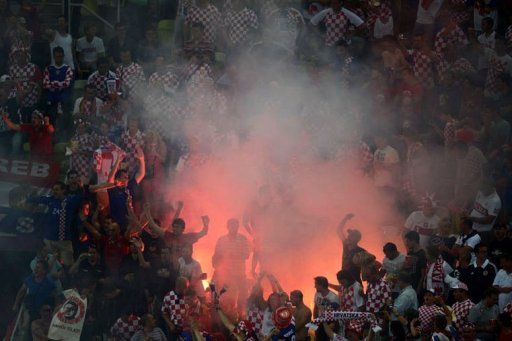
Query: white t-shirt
[[428, 16], [89, 51], [484, 206], [66, 42], [322, 302], [383, 159], [487, 42], [393, 267], [425, 226], [503, 280]]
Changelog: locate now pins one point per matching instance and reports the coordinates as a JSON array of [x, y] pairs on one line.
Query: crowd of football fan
[[437, 78]]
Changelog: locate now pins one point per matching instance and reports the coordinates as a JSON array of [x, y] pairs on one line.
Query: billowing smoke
[[288, 147]]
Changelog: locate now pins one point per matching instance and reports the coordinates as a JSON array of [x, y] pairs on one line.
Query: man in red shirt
[[40, 133]]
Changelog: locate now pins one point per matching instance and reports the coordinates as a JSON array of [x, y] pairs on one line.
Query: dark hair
[[344, 274], [506, 256], [440, 322], [488, 20], [466, 222], [57, 49], [322, 281], [479, 246], [62, 16], [61, 185], [398, 330], [89, 86], [119, 172], [412, 236], [505, 320], [390, 247], [178, 221], [491, 292], [43, 263], [297, 293], [102, 61]]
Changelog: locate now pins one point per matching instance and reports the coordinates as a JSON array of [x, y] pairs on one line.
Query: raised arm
[[151, 222], [179, 208], [10, 124], [206, 223], [141, 171], [276, 286], [341, 226]]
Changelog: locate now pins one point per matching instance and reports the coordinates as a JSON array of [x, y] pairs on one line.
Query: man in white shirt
[[60, 37], [392, 264], [426, 16], [424, 221], [486, 208], [89, 49], [468, 238], [503, 282], [324, 298]]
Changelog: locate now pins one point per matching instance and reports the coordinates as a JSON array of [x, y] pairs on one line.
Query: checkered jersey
[[100, 83], [426, 317], [82, 159], [123, 331], [130, 75], [169, 80], [508, 35], [461, 14], [336, 25], [255, 316], [347, 300], [376, 295], [175, 308], [209, 17], [27, 78], [382, 12], [461, 311], [129, 144], [449, 37], [237, 24], [422, 67], [461, 66], [52, 84], [497, 67]]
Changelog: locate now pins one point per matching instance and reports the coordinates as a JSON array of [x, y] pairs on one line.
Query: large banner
[[68, 321], [39, 173]]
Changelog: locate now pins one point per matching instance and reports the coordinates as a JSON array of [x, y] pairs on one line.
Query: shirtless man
[[302, 315]]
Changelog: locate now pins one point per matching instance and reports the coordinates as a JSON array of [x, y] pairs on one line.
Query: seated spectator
[[88, 105], [126, 326], [503, 281], [149, 330], [484, 315], [89, 48], [462, 305]]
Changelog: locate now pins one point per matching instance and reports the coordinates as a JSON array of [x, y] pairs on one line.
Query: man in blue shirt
[[61, 213], [123, 191]]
